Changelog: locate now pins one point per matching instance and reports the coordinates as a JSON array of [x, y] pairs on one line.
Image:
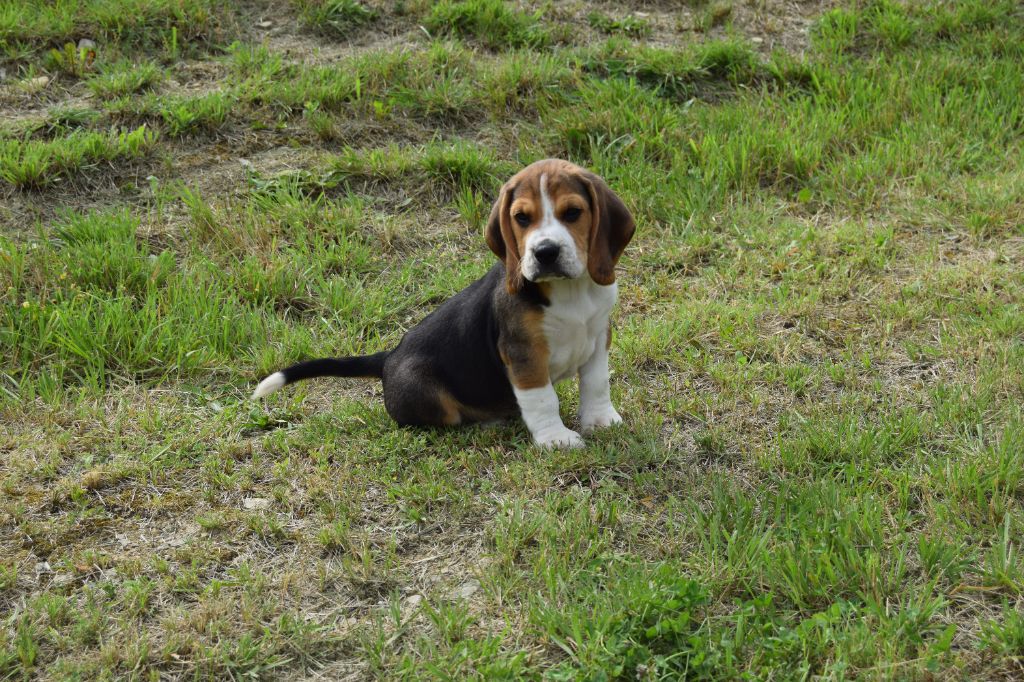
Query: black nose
[[546, 253]]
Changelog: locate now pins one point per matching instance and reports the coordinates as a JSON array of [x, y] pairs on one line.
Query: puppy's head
[[555, 220]]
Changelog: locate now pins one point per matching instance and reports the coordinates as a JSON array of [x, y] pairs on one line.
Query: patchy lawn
[[818, 350]]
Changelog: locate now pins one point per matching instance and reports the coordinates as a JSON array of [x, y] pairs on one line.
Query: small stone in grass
[[466, 589], [36, 84]]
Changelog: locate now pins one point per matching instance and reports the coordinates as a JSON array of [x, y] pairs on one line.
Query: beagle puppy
[[540, 315]]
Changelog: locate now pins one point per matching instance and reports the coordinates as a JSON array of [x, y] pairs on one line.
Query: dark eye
[[572, 214], [522, 219]]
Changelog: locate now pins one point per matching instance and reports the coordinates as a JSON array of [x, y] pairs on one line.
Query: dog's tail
[[353, 366]]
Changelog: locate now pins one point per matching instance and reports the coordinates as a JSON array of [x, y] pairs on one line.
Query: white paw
[[599, 419], [559, 437]]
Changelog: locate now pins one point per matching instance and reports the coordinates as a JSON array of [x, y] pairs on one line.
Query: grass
[[26, 28], [125, 78], [629, 25], [34, 163], [817, 350], [182, 116], [492, 23], [335, 17], [715, 14]]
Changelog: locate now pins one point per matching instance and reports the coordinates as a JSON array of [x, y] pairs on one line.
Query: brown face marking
[[569, 198], [525, 211], [571, 202], [600, 231]]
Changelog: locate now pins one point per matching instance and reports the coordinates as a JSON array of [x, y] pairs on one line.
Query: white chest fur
[[575, 322]]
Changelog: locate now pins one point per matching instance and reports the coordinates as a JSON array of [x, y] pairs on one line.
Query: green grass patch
[[493, 23], [114, 310], [335, 17], [208, 113], [433, 83], [893, 26], [32, 164], [629, 25], [124, 78], [27, 28], [441, 167], [676, 73]]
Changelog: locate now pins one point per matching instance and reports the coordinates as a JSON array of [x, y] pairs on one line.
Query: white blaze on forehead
[[551, 230], [545, 201]]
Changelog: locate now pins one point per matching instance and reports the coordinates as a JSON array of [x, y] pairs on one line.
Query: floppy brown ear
[[502, 240], [610, 231]]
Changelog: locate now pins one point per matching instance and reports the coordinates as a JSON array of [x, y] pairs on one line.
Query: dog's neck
[[580, 300], [570, 291]]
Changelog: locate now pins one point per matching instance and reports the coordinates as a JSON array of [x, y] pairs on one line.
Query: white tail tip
[[269, 385]]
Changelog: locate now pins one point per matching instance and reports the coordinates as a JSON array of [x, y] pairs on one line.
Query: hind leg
[[413, 396]]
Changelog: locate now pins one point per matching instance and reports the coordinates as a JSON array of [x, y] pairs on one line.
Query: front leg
[[596, 409], [523, 350], [539, 407], [527, 367]]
